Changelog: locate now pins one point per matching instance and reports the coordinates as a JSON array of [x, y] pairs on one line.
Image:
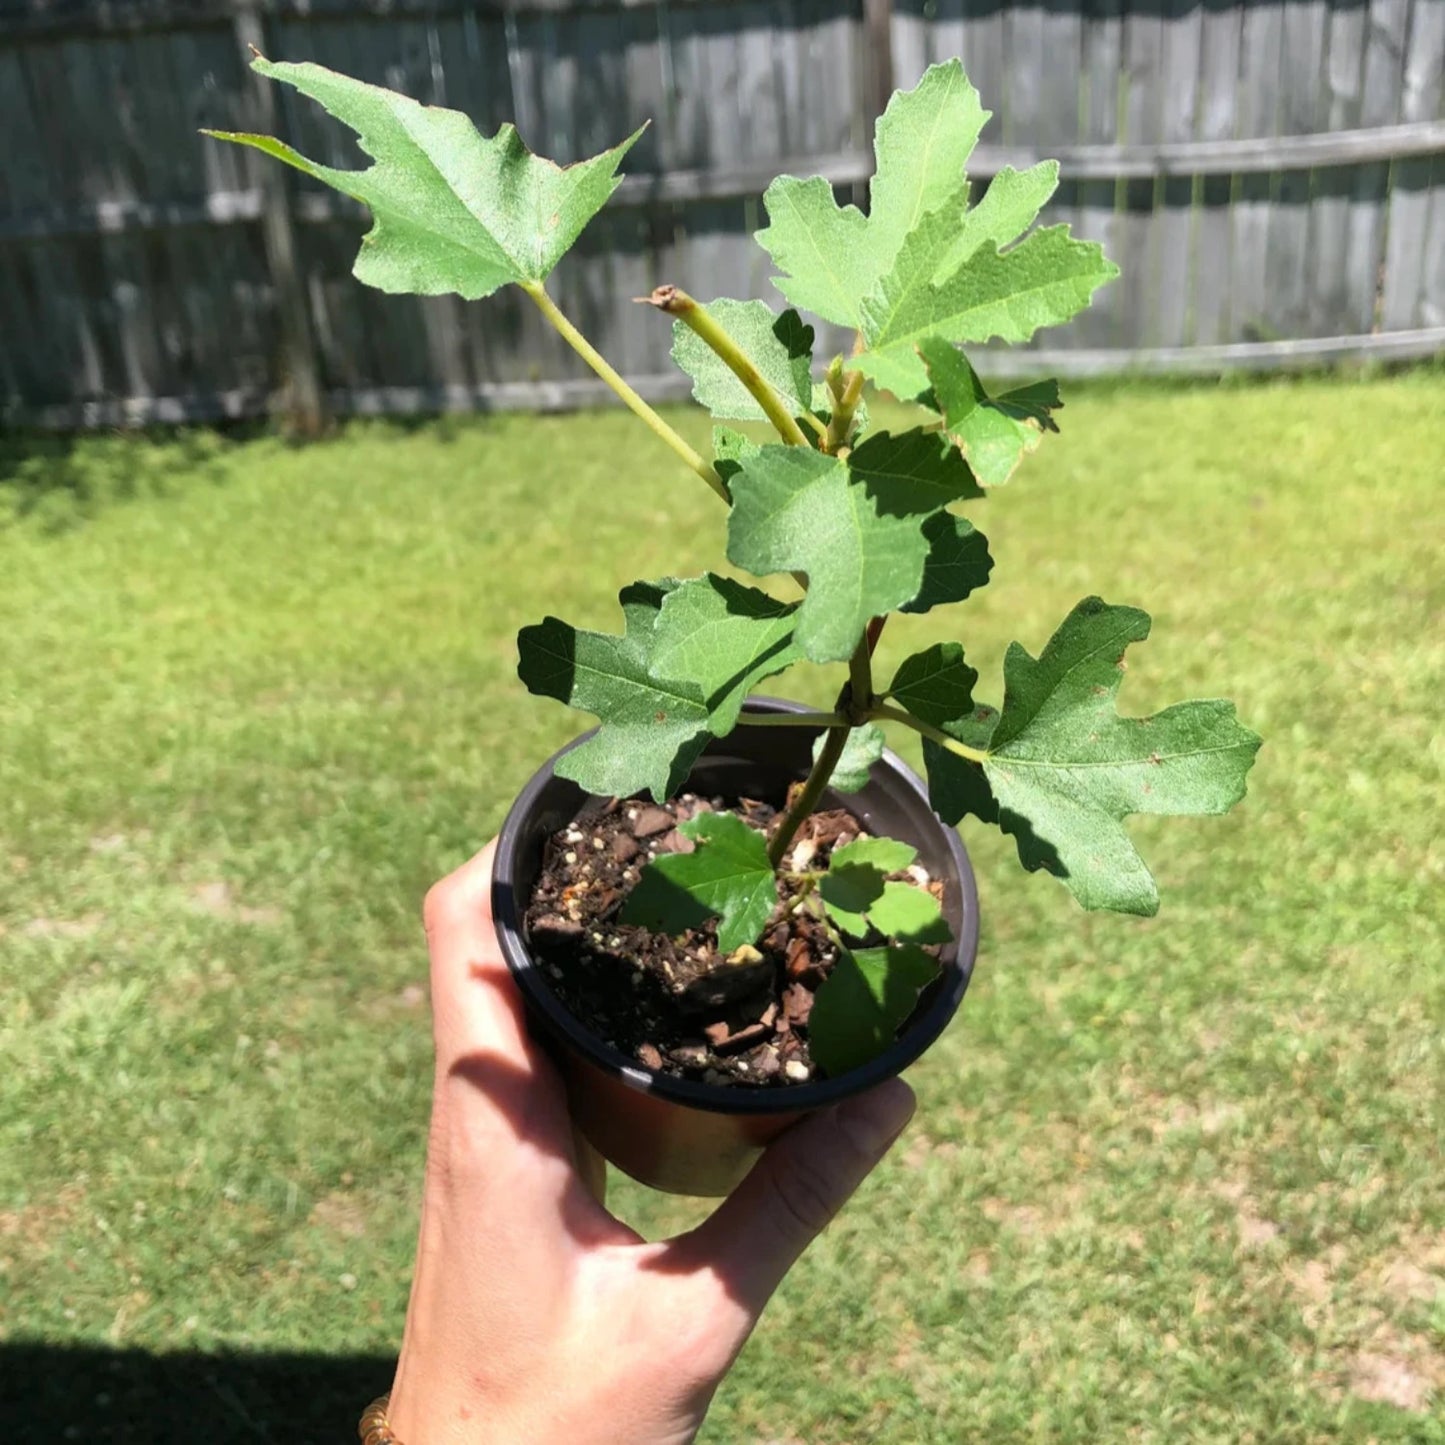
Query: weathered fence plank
[[1333, 200], [1171, 280], [1302, 102], [1381, 81], [1254, 196], [911, 36], [1100, 200], [1142, 111], [1216, 119], [1432, 286], [305, 405], [877, 58], [1407, 227]]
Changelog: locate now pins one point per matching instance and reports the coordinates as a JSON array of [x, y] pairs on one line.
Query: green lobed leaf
[[958, 562], [675, 678], [863, 748], [958, 788], [922, 143], [1009, 207], [863, 548], [1063, 768], [728, 876], [889, 854], [726, 638], [993, 433], [781, 347], [821, 248], [651, 732], [855, 877], [859, 895], [916, 471], [909, 913], [832, 256], [1044, 280], [923, 263], [863, 1003], [935, 685], [454, 211]]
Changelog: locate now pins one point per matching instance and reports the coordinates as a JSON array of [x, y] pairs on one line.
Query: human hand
[[536, 1316]]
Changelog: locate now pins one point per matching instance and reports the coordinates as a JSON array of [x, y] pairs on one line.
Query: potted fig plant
[[725, 911]]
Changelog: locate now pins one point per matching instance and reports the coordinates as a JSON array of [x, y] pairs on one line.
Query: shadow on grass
[[50, 1394], [59, 481]]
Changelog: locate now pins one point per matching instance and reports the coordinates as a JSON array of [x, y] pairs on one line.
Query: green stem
[[860, 681], [860, 685], [694, 315], [937, 735], [629, 397], [835, 740], [846, 396], [791, 719]]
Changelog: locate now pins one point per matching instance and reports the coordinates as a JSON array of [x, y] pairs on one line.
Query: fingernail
[[875, 1119]]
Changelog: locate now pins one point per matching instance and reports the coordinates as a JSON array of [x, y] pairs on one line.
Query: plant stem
[[860, 682], [630, 398], [937, 735], [791, 719], [846, 396], [695, 317], [860, 686], [807, 800]]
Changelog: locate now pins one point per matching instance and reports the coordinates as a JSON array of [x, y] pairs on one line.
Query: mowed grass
[[1171, 1180]]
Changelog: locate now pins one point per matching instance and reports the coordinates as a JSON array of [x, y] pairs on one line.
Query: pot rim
[[508, 911]]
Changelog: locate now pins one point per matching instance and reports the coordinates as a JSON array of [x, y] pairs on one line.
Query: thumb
[[806, 1176]]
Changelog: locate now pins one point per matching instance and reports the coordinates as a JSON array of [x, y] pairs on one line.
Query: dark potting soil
[[676, 1004]]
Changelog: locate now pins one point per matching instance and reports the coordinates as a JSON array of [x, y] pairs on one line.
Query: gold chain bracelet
[[375, 1428]]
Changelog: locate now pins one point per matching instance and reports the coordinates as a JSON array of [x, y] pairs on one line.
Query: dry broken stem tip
[[667, 298]]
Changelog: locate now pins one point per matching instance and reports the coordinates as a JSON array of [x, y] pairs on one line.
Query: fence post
[[878, 62], [305, 404]]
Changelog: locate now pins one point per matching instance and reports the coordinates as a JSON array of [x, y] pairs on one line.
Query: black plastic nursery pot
[[679, 1135]]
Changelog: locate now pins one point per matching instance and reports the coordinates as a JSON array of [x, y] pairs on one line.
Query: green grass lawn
[[1172, 1180]]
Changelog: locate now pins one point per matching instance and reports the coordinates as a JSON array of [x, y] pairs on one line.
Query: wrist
[[418, 1421]]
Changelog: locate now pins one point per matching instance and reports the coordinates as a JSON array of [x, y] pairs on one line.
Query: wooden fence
[[1270, 174]]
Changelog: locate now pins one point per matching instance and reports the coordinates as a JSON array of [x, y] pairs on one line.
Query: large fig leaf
[[454, 210], [923, 263], [1060, 769], [833, 256], [651, 732], [726, 637], [676, 677], [1044, 280], [855, 525]]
